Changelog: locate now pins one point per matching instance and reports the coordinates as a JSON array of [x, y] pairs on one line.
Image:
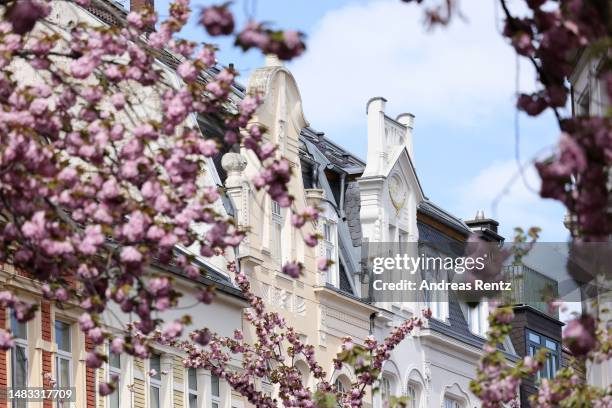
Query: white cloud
[[460, 79], [519, 206], [457, 74]]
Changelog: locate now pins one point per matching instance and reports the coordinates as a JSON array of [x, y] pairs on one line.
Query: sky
[[460, 83]]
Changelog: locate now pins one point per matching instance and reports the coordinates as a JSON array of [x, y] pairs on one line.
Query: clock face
[[397, 192]]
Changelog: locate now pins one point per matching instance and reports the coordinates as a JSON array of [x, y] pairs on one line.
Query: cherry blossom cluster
[[367, 360], [551, 38], [101, 166], [498, 381], [273, 354]]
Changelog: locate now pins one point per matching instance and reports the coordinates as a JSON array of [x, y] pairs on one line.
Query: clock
[[397, 192]]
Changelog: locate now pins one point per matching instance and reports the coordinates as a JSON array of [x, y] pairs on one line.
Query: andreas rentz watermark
[[412, 264], [433, 270]]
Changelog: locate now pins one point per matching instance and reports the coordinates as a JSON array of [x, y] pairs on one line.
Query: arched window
[[302, 367], [341, 384], [414, 389], [412, 392], [450, 402], [385, 389]]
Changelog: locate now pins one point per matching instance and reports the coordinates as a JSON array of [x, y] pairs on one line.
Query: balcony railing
[[532, 288]]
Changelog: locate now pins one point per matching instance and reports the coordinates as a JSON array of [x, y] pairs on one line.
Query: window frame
[[477, 319], [413, 402], [277, 219], [450, 402], [340, 388], [385, 388], [63, 355], [436, 301], [329, 245], [532, 347], [155, 382], [192, 391], [215, 399], [112, 370], [21, 343]]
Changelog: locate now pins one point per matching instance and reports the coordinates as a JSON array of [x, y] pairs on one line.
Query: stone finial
[[234, 164]]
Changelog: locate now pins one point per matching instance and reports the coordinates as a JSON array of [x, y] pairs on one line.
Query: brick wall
[[527, 318], [90, 378], [46, 327]]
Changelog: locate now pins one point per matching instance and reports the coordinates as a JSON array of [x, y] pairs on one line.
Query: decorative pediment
[[281, 111]]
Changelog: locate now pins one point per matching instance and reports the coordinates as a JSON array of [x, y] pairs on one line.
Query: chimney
[[136, 5], [407, 119], [376, 157], [485, 228], [272, 60]]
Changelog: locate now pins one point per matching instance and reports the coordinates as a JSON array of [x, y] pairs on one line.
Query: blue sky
[[459, 82]]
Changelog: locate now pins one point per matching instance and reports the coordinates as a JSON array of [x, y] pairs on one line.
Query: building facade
[[434, 367], [320, 314], [590, 98]]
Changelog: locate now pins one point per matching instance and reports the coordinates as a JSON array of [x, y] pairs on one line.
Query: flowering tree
[[552, 35], [100, 177]]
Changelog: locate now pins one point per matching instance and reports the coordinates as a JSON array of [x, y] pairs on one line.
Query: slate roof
[[429, 208], [438, 240], [352, 207], [349, 254], [335, 153]]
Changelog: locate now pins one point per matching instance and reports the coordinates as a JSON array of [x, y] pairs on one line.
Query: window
[[412, 396], [63, 358], [327, 232], [329, 251], [451, 403], [584, 102], [215, 395], [435, 299], [340, 385], [192, 387], [155, 381], [385, 389], [477, 319], [341, 389], [114, 371], [19, 358], [276, 246], [536, 342]]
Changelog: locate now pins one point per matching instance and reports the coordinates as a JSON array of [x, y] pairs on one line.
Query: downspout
[[342, 179], [315, 175]]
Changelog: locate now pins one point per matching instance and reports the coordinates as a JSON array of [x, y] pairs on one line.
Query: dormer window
[[477, 318], [436, 300], [330, 251]]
